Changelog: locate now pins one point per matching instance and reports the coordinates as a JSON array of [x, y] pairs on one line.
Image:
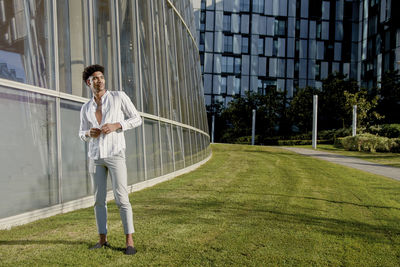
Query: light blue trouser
[[116, 167]]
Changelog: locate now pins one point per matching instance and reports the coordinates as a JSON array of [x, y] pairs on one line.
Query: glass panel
[[290, 47], [194, 147], [146, 57], [76, 181], [181, 59], [26, 53], [290, 68], [281, 47], [339, 31], [134, 155], [187, 147], [159, 40], [304, 8], [312, 49], [303, 48], [304, 29], [281, 68], [325, 30], [178, 147], [152, 146], [72, 46], [29, 140], [103, 42], [167, 150], [129, 60], [338, 51], [320, 50], [173, 71], [325, 10], [303, 69]]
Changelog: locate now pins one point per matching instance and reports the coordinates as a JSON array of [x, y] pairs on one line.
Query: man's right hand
[[94, 132]]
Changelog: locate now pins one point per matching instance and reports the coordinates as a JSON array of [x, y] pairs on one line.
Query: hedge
[[369, 143], [386, 130]]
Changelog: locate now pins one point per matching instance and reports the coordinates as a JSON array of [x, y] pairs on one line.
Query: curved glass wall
[[148, 50]]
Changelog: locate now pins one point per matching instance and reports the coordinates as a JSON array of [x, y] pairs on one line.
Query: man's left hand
[[110, 127]]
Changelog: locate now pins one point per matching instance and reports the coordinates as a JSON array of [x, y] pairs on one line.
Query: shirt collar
[[102, 98]]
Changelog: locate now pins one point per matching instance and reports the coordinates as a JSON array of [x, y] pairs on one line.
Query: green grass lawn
[[248, 206], [392, 159]]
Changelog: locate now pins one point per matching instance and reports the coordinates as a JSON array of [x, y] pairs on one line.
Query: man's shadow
[[53, 242]]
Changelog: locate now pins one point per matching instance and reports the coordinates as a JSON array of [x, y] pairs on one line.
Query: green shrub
[[386, 130], [369, 143]]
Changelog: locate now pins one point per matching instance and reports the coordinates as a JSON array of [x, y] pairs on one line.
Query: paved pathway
[[388, 171]]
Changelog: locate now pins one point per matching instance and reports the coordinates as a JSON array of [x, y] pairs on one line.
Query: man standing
[[103, 120]]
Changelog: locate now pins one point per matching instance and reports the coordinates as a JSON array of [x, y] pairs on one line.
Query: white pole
[[253, 128], [315, 115], [212, 128], [354, 132]]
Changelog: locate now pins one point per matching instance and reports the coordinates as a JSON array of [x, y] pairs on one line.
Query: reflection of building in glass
[[252, 44], [148, 50]]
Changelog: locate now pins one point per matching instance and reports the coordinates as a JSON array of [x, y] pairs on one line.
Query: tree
[[301, 108], [365, 107], [216, 109], [238, 114], [389, 102], [332, 109]]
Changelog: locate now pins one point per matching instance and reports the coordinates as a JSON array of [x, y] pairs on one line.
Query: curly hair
[[89, 70]]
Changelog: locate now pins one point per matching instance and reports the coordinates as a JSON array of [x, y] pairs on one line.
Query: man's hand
[[94, 132], [110, 127]]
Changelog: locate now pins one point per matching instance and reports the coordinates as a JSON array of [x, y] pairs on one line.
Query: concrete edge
[[85, 202]]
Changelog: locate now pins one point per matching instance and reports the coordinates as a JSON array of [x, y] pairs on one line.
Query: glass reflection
[[103, 41], [72, 47], [26, 53], [146, 54], [128, 46], [75, 180], [28, 152], [167, 148], [152, 146]]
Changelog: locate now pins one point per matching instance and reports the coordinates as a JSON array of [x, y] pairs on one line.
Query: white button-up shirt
[[116, 107]]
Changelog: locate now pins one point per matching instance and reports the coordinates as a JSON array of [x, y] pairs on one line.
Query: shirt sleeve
[[132, 116], [84, 126]]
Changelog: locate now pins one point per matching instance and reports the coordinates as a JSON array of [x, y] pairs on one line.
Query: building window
[[227, 23], [244, 5], [203, 4], [258, 6], [201, 46], [275, 48], [261, 46], [236, 86], [227, 64], [238, 65], [228, 44], [223, 85], [245, 45], [280, 27], [202, 21]]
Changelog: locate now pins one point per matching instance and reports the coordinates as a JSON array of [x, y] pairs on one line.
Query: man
[[103, 120]]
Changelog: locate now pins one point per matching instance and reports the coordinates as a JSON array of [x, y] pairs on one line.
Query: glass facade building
[[249, 45], [148, 50]]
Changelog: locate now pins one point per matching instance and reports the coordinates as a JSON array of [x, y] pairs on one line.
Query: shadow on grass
[[203, 202], [260, 215], [53, 242], [41, 242]]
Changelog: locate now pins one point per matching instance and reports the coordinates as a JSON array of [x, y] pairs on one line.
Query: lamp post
[[253, 128], [315, 115]]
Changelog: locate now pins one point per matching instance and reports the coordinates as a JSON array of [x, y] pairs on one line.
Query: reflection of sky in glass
[[13, 61]]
